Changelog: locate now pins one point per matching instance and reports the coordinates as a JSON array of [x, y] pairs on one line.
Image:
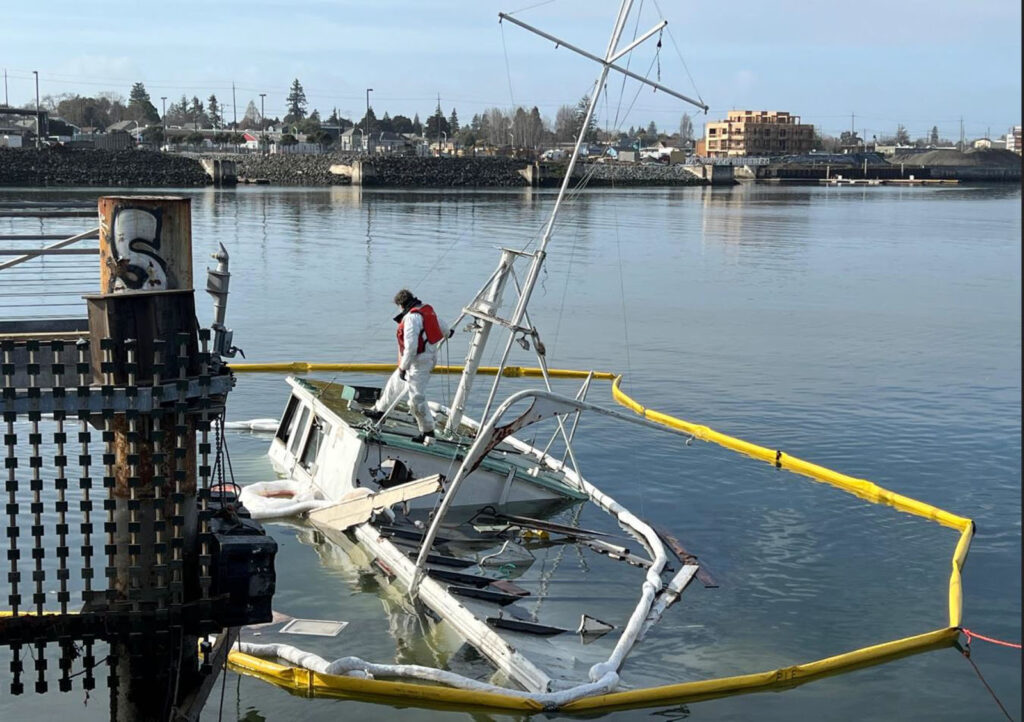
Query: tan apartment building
[[757, 132]]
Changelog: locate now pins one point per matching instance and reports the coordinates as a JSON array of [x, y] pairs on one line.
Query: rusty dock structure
[[125, 548]]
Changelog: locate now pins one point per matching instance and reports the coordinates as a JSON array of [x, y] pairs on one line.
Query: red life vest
[[431, 332]]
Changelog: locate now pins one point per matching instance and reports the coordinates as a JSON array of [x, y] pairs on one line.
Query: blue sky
[[903, 61]]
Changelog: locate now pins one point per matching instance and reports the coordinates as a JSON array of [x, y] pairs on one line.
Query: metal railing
[[42, 277]]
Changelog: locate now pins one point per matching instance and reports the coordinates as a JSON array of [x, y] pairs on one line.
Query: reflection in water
[[746, 216]]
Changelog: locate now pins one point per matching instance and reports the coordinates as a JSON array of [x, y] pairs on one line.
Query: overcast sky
[[916, 62]]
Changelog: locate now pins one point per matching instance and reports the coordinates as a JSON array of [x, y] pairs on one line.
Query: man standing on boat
[[419, 334]]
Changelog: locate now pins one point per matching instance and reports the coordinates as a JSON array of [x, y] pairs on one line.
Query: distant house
[[623, 153], [990, 144], [350, 141], [388, 142], [127, 126], [891, 150], [61, 130], [442, 148]]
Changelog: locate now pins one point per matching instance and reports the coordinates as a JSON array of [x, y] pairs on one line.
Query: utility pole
[[234, 108], [961, 134], [6, 101], [263, 125], [36, 73], [366, 120], [163, 116], [439, 125]]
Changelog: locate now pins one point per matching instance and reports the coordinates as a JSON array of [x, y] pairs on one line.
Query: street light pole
[[263, 126], [163, 117], [366, 120], [36, 73]]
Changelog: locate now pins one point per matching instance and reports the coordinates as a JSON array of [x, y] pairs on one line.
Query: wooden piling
[[147, 307]]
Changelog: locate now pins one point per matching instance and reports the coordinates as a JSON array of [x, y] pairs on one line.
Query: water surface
[[875, 331]]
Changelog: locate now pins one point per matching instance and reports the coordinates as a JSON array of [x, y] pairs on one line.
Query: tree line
[[518, 126]]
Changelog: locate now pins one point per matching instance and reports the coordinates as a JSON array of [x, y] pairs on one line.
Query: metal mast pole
[[366, 121], [484, 308], [538, 257], [263, 126], [36, 73]]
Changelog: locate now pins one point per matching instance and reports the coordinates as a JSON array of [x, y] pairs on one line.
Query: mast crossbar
[[609, 63]]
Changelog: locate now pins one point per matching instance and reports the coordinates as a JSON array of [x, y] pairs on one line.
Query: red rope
[[974, 635]]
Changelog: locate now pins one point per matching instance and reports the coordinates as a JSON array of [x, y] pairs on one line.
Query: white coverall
[[417, 373]]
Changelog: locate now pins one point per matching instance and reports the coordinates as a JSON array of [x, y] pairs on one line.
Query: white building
[[1013, 139]]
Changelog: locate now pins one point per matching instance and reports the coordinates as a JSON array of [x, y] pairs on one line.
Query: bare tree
[[565, 124], [686, 129]]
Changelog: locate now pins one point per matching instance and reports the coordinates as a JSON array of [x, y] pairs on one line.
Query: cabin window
[[284, 431], [313, 442], [300, 431]]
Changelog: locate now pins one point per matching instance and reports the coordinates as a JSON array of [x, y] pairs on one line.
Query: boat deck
[[398, 429]]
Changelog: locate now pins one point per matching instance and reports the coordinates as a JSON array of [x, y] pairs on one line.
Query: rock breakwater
[[624, 174], [288, 170], [446, 172], [60, 166]]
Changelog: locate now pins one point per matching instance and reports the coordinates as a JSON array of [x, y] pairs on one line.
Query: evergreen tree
[[453, 122], [139, 106], [251, 120], [213, 111], [590, 135], [934, 137], [296, 101], [401, 124], [417, 126], [652, 130], [196, 111], [369, 122], [437, 124]]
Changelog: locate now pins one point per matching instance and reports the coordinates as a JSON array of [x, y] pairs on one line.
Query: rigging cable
[[528, 7], [508, 68], [629, 59], [680, 55]]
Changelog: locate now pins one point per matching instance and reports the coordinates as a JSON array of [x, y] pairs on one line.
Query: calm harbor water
[[875, 331]]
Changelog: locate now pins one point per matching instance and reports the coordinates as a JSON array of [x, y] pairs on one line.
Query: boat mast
[[484, 308], [540, 254]]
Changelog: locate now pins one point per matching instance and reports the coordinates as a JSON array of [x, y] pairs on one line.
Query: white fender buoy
[[280, 498], [262, 425]]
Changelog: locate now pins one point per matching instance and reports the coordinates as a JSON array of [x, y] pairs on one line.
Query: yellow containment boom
[[307, 683], [509, 371]]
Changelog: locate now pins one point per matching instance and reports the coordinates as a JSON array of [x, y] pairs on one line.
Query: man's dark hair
[[405, 298]]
